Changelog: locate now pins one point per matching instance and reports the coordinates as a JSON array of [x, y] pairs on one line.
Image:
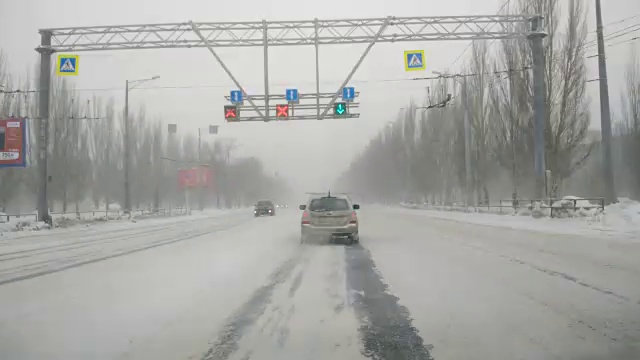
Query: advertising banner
[[195, 177], [13, 142]]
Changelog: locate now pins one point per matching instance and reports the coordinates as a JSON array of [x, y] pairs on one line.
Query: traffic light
[[231, 113], [340, 109], [282, 110]]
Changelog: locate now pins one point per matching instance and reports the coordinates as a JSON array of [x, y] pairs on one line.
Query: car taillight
[[354, 218], [305, 218]]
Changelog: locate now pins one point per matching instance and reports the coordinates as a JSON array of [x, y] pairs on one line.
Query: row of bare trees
[[420, 155], [86, 157], [628, 129]]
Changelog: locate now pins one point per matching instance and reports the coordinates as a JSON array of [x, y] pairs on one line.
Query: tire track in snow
[[386, 331], [249, 313]]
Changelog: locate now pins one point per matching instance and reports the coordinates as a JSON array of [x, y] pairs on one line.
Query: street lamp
[[213, 130], [130, 85]]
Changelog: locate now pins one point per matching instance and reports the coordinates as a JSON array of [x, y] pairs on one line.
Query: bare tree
[[567, 105], [629, 125]]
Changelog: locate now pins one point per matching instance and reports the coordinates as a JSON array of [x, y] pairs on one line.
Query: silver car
[[329, 217]]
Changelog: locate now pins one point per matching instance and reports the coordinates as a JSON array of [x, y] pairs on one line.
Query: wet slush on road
[[385, 329]]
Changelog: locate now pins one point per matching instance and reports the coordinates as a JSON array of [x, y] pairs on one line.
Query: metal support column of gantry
[[539, 106], [284, 33]]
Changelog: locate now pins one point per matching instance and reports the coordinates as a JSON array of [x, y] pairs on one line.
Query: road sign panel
[[292, 95], [282, 110], [231, 112], [236, 96], [13, 142], [414, 60], [348, 93], [67, 65], [340, 109]]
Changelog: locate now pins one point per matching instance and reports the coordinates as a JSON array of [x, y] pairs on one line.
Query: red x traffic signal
[[231, 112], [282, 110]]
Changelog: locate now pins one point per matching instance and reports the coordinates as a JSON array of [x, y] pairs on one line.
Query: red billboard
[[195, 177], [13, 142]]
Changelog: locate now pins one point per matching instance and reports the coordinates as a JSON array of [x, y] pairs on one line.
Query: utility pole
[[467, 131], [127, 153], [539, 105], [467, 143], [127, 142], [43, 109], [605, 113], [514, 116], [201, 186]]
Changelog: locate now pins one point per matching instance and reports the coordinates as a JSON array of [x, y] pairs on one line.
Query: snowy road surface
[[233, 287]]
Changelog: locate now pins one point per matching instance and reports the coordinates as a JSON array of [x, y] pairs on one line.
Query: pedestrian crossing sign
[[67, 65], [414, 60]]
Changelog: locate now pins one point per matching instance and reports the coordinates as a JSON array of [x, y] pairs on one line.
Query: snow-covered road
[[229, 286]]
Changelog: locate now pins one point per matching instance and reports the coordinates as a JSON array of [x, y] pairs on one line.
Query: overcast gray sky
[[309, 154]]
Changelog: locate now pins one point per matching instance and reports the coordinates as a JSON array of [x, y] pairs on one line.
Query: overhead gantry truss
[[289, 33]]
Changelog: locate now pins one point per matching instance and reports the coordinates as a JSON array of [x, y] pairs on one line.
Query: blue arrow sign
[[236, 96], [292, 95], [348, 93]]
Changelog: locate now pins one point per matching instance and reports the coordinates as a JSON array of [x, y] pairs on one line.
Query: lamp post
[[130, 85], [213, 130]]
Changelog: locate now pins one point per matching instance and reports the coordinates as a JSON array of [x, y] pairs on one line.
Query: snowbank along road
[[231, 286]]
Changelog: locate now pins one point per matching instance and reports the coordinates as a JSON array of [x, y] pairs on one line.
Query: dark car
[[264, 207]]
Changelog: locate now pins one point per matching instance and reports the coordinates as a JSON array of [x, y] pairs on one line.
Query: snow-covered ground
[[230, 286], [502, 292], [619, 220], [30, 228]]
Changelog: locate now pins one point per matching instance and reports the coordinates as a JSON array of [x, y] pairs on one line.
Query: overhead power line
[[614, 35], [616, 44], [454, 76], [618, 22], [227, 86]]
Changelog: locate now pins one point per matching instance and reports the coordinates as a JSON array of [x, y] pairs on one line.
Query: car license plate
[[326, 221]]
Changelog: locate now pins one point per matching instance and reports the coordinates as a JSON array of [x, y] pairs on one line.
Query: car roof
[[326, 196]]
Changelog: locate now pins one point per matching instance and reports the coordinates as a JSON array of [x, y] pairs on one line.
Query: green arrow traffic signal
[[340, 108]]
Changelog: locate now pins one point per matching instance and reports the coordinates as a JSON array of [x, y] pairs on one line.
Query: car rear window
[[328, 204], [264, 203]]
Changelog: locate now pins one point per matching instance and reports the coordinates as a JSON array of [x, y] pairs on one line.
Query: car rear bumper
[[347, 230]]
